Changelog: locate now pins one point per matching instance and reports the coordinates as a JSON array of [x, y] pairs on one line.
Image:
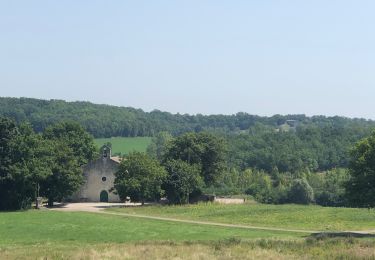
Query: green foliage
[[314, 146], [317, 143], [75, 137], [301, 192], [269, 144], [329, 187], [204, 149], [159, 145], [33, 165], [182, 181], [361, 185], [139, 177], [66, 177], [72, 148], [230, 183], [24, 161], [259, 185]]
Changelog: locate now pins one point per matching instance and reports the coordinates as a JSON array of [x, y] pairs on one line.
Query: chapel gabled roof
[[116, 159]]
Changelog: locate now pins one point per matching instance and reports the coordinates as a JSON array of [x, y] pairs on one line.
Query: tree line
[[208, 153], [180, 168], [307, 148], [109, 121], [266, 143]]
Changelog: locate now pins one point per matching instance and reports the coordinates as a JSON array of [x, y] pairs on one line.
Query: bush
[[329, 187], [279, 194], [260, 187], [301, 192]]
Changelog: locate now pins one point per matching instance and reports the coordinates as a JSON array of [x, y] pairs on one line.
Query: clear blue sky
[[194, 56]]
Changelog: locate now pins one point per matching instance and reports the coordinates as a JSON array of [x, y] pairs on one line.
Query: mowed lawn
[[124, 145], [278, 216]]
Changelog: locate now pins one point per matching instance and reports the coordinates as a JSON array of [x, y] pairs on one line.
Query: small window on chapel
[[104, 179]]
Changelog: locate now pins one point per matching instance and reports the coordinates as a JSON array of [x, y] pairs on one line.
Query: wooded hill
[[262, 156], [108, 121]]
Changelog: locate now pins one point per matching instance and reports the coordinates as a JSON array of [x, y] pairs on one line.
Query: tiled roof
[[116, 159]]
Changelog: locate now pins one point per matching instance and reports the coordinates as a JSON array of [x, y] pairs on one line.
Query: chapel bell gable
[[106, 152]]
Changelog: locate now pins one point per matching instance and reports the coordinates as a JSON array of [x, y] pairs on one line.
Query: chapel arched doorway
[[103, 196]]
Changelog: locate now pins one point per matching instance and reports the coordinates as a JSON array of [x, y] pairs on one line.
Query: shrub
[[329, 187], [301, 192]]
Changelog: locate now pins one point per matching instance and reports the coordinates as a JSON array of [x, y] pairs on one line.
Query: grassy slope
[[124, 145], [282, 216]]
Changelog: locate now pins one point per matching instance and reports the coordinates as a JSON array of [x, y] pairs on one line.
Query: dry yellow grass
[[256, 249], [150, 251]]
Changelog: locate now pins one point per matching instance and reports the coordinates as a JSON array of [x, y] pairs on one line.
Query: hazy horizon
[[194, 57]]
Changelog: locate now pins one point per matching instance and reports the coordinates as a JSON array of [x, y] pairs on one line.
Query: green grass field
[[77, 235], [282, 216], [23, 232], [49, 226], [124, 145]]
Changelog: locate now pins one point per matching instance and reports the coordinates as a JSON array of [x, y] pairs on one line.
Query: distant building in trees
[[289, 125], [99, 176], [292, 123]]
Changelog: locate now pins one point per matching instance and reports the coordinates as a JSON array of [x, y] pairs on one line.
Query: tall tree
[[360, 189], [159, 145], [66, 175], [72, 148], [75, 137], [182, 180], [24, 162], [204, 149], [139, 177]]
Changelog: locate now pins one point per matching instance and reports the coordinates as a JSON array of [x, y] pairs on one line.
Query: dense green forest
[[108, 121], [312, 147], [267, 143]]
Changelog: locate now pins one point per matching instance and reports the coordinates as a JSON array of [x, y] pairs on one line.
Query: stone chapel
[[99, 177]]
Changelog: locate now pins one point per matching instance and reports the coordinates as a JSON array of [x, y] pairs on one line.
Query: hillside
[[109, 121]]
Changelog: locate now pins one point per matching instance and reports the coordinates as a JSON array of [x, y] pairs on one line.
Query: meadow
[[290, 216], [124, 145], [49, 234]]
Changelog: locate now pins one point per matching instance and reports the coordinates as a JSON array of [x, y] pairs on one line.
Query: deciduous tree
[[74, 136], [182, 180], [204, 149], [139, 177], [24, 162], [66, 175], [360, 189]]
